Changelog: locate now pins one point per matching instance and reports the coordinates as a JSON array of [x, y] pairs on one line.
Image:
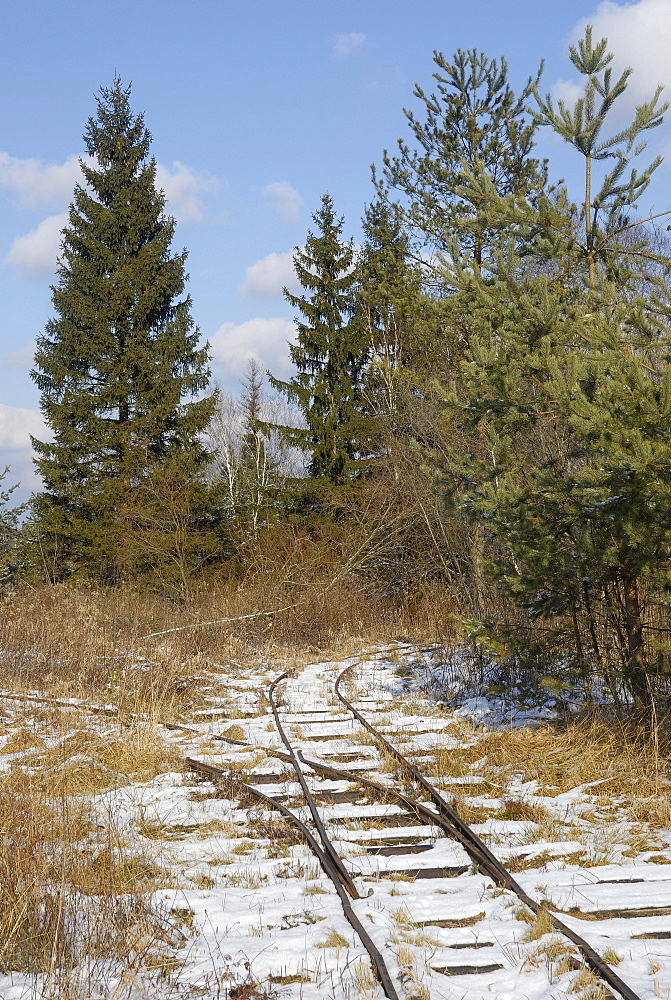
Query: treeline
[[480, 416]]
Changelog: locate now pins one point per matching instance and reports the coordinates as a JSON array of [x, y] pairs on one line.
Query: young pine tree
[[567, 380], [605, 207], [571, 392], [118, 367], [331, 355], [473, 124]]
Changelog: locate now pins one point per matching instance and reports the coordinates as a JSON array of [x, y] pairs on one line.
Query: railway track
[[427, 898], [404, 836]]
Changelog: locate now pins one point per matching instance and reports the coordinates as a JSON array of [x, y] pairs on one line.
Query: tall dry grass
[[78, 915], [76, 908], [620, 753], [146, 653], [622, 765]]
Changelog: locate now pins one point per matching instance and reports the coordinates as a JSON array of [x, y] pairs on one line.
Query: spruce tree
[[400, 321], [331, 355], [389, 302], [9, 518], [118, 367]]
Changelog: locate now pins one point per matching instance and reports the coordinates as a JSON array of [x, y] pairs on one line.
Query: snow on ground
[[251, 915]]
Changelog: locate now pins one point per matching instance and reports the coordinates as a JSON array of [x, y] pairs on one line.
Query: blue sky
[[256, 110]]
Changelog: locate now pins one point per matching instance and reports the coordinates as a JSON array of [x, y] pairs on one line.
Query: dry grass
[[470, 812], [137, 750], [540, 925], [69, 894], [70, 644], [655, 811], [628, 768], [100, 645], [517, 809], [363, 978], [556, 949], [585, 751], [333, 940], [274, 828], [587, 986], [405, 956], [235, 733], [473, 811]]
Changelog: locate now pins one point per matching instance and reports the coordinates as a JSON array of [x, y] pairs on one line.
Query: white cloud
[[182, 186], [23, 358], [36, 253], [35, 184], [286, 198], [343, 45], [16, 426], [38, 185], [269, 276], [639, 35], [263, 339], [567, 91]]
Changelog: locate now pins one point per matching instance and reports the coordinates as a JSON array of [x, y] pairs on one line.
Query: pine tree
[[118, 368], [571, 391], [605, 210], [473, 124], [331, 355], [566, 383]]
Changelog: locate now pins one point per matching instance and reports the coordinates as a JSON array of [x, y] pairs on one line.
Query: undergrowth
[[77, 912]]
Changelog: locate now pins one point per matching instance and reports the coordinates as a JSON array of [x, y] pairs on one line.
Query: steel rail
[[482, 856], [380, 969], [330, 850], [217, 775]]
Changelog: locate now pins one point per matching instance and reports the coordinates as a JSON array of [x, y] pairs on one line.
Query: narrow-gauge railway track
[[436, 813], [483, 858], [358, 794]]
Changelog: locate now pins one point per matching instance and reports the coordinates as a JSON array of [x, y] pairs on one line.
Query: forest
[[475, 446]]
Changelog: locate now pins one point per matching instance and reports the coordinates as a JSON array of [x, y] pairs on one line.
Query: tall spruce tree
[[119, 368], [331, 355], [400, 322], [388, 297]]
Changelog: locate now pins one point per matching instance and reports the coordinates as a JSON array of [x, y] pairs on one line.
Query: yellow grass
[[54, 879], [627, 770]]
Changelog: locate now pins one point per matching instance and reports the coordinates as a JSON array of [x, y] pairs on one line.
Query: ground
[[126, 875]]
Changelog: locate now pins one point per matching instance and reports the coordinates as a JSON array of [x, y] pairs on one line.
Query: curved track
[[434, 811]]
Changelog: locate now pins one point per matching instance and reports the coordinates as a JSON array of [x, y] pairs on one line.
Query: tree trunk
[[633, 629]]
